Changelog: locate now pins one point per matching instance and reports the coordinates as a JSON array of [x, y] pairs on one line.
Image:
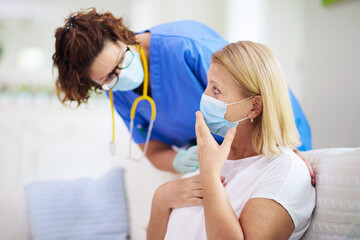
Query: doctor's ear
[[257, 107]]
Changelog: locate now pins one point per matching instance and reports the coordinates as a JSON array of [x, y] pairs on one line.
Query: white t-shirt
[[283, 178]]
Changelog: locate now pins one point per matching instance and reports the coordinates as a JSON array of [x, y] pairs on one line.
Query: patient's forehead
[[218, 76]]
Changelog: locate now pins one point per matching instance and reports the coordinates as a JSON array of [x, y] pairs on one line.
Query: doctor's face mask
[[214, 111], [132, 76], [131, 73]]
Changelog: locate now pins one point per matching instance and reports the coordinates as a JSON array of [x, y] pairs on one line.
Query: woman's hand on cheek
[[211, 155]]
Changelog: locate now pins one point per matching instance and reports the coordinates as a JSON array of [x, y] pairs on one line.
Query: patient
[[252, 186]]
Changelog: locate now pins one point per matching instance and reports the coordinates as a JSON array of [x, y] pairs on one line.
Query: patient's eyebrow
[[215, 83]]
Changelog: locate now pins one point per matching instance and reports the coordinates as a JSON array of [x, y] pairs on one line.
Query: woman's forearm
[[220, 219], [175, 194], [158, 222]]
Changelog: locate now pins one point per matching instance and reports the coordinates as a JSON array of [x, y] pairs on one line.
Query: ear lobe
[[257, 106]]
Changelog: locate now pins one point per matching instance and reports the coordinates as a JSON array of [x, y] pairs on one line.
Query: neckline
[[228, 161]]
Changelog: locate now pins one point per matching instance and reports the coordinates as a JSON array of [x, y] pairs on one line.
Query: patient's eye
[[216, 90]]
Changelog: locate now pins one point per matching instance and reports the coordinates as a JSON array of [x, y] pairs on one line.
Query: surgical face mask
[[132, 76], [214, 111]]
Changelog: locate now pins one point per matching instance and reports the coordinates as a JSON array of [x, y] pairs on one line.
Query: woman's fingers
[[198, 193], [185, 192], [229, 137], [222, 179], [201, 129], [198, 136], [195, 201], [311, 171]]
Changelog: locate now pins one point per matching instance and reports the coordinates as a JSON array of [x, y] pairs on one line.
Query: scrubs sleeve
[[301, 124], [198, 58]]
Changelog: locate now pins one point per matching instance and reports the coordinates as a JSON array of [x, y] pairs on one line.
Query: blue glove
[[186, 160]]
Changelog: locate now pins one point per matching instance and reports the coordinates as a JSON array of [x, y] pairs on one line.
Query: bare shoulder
[[265, 219]]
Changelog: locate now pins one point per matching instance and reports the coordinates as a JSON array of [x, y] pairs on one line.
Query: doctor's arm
[[163, 157], [160, 155]]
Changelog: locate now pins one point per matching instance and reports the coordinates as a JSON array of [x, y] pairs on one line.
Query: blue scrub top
[[180, 54]]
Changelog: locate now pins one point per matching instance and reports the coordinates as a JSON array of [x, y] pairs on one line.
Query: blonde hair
[[256, 69]]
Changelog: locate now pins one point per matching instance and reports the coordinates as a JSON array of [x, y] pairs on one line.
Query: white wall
[[148, 13], [332, 73], [319, 51], [40, 140], [285, 37], [246, 20], [279, 24]]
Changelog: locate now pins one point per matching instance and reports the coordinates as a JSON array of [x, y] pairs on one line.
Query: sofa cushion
[[337, 211]]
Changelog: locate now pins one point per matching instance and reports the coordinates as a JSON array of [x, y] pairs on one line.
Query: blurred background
[[317, 43]]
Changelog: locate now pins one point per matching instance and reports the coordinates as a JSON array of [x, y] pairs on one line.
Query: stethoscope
[[144, 97]]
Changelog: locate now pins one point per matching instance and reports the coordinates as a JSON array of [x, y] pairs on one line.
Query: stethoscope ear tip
[[112, 148]]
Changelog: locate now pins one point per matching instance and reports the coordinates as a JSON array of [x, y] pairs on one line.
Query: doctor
[[95, 51]]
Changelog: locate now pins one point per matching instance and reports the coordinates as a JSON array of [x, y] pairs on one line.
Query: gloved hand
[[186, 160]]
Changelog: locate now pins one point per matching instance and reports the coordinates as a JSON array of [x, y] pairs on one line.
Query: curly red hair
[[77, 44]]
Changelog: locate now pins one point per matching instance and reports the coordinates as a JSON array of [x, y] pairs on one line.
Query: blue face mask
[[214, 111], [132, 76]]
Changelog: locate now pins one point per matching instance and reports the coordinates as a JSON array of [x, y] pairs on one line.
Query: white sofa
[[336, 216]]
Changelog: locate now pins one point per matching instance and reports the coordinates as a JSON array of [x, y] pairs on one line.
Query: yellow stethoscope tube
[[144, 97], [145, 90]]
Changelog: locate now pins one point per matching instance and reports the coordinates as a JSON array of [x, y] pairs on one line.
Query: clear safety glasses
[[124, 62]]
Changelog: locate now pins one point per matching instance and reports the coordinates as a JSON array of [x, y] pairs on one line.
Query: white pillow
[[337, 210]]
